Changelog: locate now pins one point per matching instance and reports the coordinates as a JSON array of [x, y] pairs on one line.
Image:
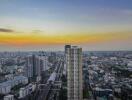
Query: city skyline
[[48, 25]]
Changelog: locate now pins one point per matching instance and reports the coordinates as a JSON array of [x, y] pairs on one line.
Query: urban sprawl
[[72, 74]]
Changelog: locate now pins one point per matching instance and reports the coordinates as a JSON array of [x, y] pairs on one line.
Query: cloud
[[6, 30], [37, 31]]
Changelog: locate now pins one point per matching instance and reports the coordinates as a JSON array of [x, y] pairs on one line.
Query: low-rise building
[[9, 97], [27, 90], [6, 86]]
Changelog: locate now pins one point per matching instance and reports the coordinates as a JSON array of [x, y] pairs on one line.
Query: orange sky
[[22, 39]]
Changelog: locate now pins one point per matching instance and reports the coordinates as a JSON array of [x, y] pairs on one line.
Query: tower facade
[[74, 72], [32, 67]]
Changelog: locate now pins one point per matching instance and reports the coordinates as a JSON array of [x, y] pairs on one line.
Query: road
[[46, 90]]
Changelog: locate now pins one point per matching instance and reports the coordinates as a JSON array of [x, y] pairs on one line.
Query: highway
[[47, 90], [55, 89]]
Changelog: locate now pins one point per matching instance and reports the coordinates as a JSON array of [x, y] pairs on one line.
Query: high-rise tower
[[74, 72], [32, 67]]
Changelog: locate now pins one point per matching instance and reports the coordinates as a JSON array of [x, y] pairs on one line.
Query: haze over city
[[47, 25]]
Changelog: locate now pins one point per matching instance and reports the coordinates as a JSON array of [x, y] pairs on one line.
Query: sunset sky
[[50, 24]]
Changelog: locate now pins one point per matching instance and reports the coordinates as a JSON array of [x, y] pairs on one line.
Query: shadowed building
[[32, 67]]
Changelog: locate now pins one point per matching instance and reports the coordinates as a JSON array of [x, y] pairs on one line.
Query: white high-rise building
[[74, 72]]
